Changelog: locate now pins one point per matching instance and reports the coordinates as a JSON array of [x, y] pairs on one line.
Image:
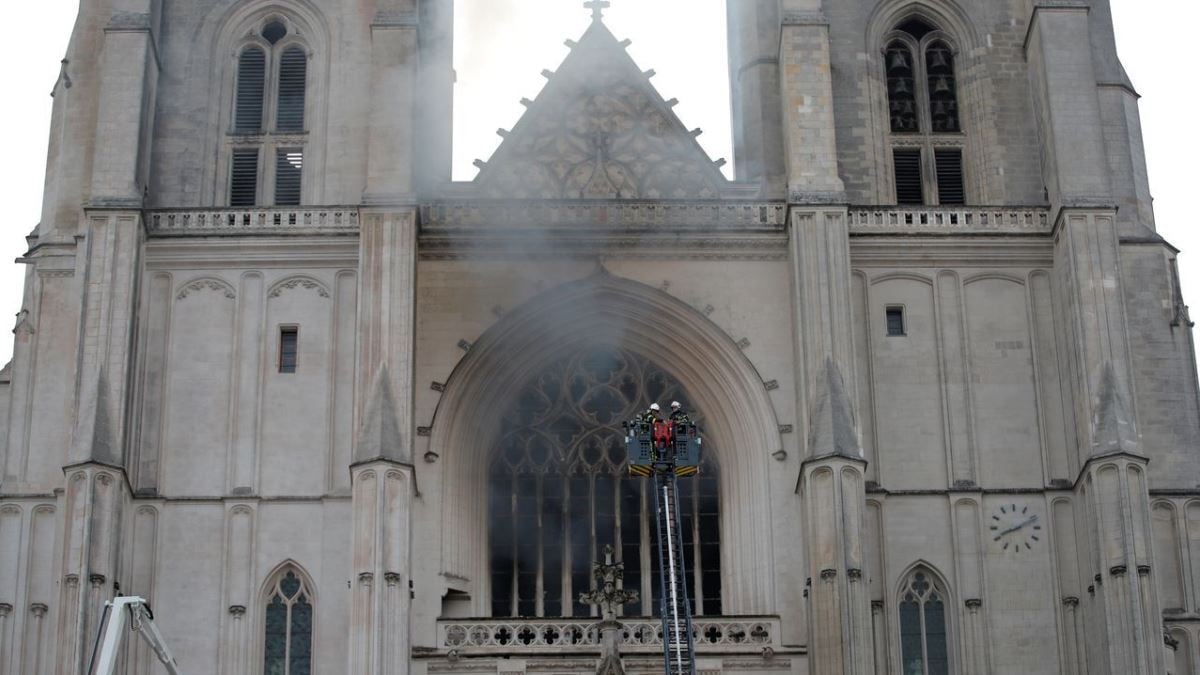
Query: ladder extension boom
[[140, 621]]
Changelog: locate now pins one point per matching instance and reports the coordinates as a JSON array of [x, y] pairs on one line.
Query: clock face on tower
[[1014, 529]]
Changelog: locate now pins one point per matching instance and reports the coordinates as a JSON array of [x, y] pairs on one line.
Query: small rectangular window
[[289, 344], [907, 165], [948, 162], [895, 321], [289, 169]]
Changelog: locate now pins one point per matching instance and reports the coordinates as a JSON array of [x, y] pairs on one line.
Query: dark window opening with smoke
[[560, 492]]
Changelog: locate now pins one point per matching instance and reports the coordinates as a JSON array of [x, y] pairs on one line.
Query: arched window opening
[[902, 87], [943, 97], [293, 75], [251, 81], [560, 491], [288, 626], [924, 643], [269, 119], [924, 117]]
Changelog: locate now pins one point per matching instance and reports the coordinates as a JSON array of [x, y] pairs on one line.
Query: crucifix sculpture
[[609, 596], [597, 7]]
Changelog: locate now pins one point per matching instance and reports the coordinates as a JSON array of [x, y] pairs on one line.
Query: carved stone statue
[[608, 595]]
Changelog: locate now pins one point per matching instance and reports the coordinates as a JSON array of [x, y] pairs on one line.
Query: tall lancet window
[[925, 132], [924, 644], [267, 136], [288, 626], [560, 492]]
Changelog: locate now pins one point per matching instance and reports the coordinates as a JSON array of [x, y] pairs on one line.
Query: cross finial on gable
[[597, 7]]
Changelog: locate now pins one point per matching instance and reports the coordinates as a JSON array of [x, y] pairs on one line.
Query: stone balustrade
[[699, 215], [696, 216], [258, 221], [712, 635], [949, 220]]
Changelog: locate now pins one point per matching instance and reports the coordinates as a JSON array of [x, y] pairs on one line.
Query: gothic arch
[[955, 28], [298, 281], [954, 23], [941, 586], [227, 30], [263, 597], [647, 321]]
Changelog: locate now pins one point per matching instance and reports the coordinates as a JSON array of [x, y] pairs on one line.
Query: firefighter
[[651, 415], [679, 415]]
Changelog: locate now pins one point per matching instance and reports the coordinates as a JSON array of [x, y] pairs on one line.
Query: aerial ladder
[[664, 450], [134, 612]]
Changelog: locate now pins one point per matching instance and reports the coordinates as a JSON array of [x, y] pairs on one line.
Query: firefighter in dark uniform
[[678, 415], [651, 415]]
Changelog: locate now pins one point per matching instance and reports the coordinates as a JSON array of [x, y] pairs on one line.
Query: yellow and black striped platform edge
[[683, 471], [643, 471]]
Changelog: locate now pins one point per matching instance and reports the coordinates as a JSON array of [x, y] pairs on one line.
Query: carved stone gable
[[600, 130]]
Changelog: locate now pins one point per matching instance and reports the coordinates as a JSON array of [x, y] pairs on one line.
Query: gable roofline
[[599, 129]]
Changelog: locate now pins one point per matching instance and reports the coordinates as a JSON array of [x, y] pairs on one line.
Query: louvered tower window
[[251, 79], [924, 121], [293, 74], [268, 120]]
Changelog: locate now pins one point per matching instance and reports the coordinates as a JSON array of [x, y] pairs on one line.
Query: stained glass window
[[560, 491], [924, 645], [288, 624]]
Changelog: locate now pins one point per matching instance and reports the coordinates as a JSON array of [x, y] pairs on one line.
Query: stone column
[[97, 489], [832, 483], [1123, 618], [1058, 50], [806, 84], [95, 496], [841, 636], [435, 114], [753, 27], [383, 483], [382, 477], [1123, 600], [391, 143], [125, 113]]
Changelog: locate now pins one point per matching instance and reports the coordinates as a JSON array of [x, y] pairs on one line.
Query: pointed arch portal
[[604, 311]]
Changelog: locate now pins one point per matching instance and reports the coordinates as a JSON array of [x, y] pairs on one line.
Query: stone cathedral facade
[[330, 411]]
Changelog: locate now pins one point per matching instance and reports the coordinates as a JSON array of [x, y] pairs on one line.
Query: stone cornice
[[974, 251], [193, 253]]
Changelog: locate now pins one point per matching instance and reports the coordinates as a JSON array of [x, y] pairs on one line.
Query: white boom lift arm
[[141, 621]]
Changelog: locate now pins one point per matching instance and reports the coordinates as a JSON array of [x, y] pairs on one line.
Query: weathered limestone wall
[[1164, 375], [972, 395], [217, 417]]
